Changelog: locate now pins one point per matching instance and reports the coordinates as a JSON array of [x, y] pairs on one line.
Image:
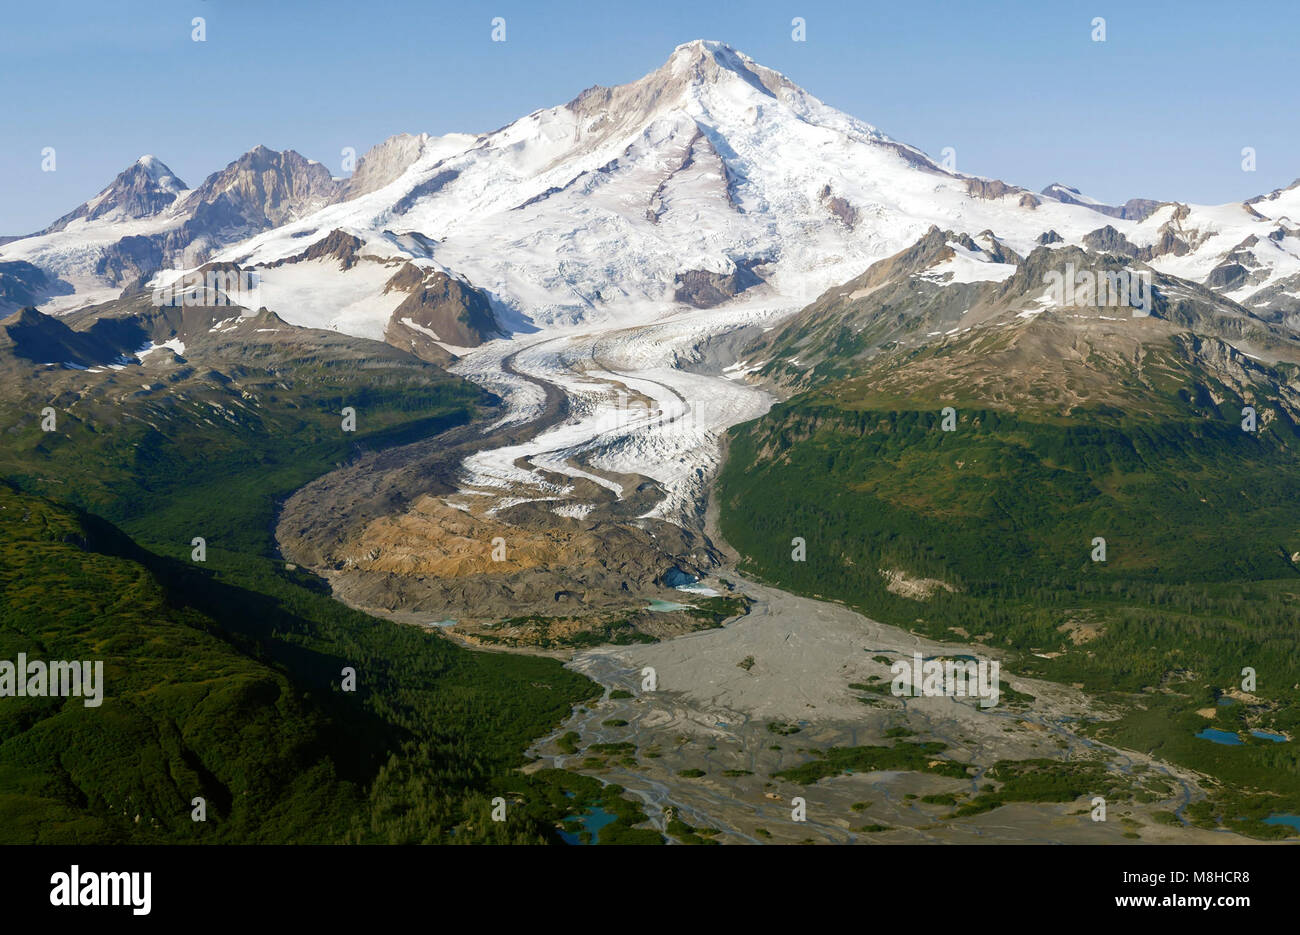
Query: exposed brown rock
[[338, 245], [705, 289], [452, 309], [991, 188]]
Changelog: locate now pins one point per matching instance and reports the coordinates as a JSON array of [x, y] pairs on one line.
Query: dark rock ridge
[[705, 289], [338, 245], [22, 284], [1135, 209], [114, 332], [457, 312], [433, 185], [1273, 195], [40, 338], [1279, 302]]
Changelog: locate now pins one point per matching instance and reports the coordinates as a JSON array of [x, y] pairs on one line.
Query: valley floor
[[712, 715]]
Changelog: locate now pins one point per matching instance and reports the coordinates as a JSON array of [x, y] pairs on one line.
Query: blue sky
[[1161, 109]]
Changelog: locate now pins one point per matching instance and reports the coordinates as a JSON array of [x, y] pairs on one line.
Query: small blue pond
[[1283, 819], [1268, 735], [593, 821], [1230, 738]]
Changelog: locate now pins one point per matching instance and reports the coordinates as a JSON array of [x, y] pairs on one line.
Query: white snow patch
[[175, 344]]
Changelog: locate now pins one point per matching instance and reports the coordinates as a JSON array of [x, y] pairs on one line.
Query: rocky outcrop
[[1108, 240], [839, 207], [991, 188], [385, 163], [338, 245], [438, 309], [1279, 301], [22, 284], [131, 259], [990, 245], [1138, 209], [1273, 195], [705, 288]]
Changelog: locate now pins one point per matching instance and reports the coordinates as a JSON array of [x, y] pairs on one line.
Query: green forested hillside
[[184, 713], [223, 678]]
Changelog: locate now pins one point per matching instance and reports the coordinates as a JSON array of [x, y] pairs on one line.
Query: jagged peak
[[261, 158], [262, 155], [144, 188]]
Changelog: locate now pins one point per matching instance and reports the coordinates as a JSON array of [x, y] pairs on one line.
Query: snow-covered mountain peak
[[141, 190], [703, 61], [158, 171], [708, 177], [700, 48]]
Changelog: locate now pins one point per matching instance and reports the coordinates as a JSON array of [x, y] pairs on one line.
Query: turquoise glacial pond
[[1230, 738], [593, 821], [1282, 819]]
